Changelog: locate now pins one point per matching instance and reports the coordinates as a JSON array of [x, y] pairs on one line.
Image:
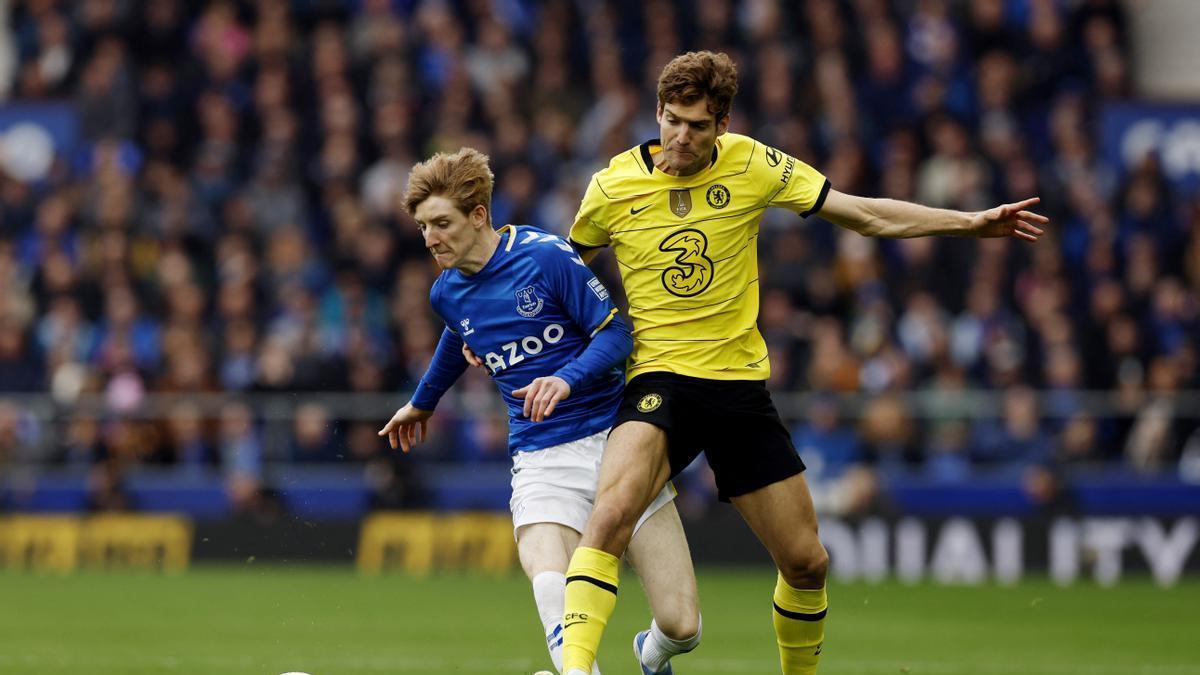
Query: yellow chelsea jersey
[[687, 250]]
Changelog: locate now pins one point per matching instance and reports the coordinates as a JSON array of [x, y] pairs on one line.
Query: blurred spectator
[[241, 455], [394, 483], [839, 481], [10, 440], [230, 220], [314, 438], [828, 448], [1156, 435], [21, 365], [1079, 441], [187, 445], [889, 435], [1018, 437]]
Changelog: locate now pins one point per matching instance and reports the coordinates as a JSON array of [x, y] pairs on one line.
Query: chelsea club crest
[[528, 302]]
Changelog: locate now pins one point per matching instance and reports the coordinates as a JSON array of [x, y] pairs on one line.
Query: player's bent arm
[[897, 219], [408, 426], [446, 366], [542, 395], [608, 349]]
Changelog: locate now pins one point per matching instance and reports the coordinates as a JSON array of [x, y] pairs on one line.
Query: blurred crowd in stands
[[230, 221]]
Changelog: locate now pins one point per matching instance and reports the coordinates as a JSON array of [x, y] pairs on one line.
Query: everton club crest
[[528, 302]]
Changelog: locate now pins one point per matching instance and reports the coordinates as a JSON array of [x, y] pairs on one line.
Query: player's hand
[[470, 357], [1010, 220], [407, 427], [542, 395]]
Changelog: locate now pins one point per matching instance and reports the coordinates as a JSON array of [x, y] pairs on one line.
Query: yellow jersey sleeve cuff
[[820, 201]]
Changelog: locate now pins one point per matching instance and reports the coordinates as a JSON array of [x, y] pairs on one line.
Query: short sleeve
[[796, 185], [589, 228]]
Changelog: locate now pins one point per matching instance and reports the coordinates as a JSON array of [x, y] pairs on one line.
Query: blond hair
[[696, 75], [463, 177]]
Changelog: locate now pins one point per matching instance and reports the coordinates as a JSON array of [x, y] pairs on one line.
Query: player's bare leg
[[545, 547], [659, 554], [634, 469], [782, 516], [544, 550]]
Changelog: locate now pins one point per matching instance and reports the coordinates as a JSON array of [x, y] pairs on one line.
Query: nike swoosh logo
[[634, 212]]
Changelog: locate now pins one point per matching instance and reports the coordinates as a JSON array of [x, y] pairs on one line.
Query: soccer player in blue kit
[[549, 336]]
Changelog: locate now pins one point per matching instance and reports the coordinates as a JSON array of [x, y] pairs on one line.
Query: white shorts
[[558, 485]]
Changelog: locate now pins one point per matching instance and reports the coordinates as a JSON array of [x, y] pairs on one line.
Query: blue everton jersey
[[531, 310]]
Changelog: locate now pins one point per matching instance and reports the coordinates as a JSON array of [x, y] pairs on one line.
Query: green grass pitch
[[259, 620]]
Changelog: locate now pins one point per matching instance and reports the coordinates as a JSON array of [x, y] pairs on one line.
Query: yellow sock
[[799, 627], [590, 598]]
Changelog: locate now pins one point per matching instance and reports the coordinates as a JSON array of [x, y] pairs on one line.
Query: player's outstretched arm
[[897, 219], [1010, 220], [407, 427]]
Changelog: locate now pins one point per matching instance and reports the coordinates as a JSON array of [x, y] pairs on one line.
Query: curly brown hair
[[463, 177], [695, 75]]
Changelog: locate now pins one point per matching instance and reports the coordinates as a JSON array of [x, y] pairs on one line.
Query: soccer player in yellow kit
[[681, 214]]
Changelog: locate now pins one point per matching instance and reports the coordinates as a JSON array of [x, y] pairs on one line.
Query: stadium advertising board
[[420, 543], [1171, 132], [53, 543], [955, 550], [964, 551], [970, 551]]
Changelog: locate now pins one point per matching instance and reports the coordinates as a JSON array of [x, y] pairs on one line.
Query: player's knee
[[806, 567], [612, 518], [681, 625]]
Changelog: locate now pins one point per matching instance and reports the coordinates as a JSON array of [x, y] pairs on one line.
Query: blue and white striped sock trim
[[555, 638]]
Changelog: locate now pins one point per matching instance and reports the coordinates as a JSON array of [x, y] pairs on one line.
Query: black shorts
[[733, 422]]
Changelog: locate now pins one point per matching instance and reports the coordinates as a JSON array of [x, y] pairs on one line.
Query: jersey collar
[[508, 234], [648, 161]]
